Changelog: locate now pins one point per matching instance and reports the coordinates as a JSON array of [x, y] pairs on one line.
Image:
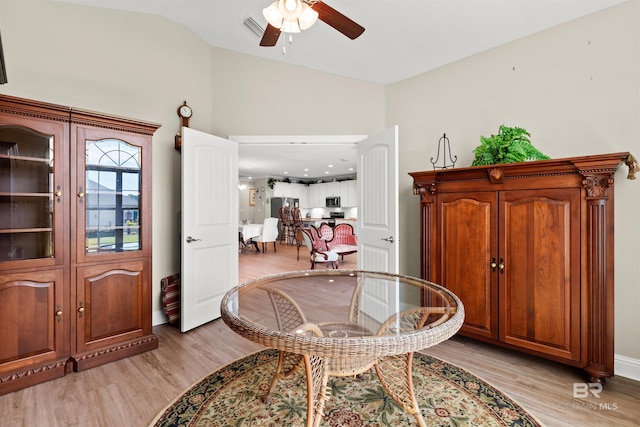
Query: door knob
[[388, 239], [191, 239]]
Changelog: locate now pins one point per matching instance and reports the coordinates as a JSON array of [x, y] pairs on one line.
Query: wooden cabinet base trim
[[565, 361], [109, 354], [16, 380]]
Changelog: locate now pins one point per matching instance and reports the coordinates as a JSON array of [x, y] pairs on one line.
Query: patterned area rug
[[447, 395]]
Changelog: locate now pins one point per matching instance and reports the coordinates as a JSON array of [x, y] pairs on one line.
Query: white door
[[378, 228], [209, 239]]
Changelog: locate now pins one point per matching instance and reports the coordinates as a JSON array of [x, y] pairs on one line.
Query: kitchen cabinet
[[316, 196], [75, 240], [528, 248], [348, 191], [281, 189]]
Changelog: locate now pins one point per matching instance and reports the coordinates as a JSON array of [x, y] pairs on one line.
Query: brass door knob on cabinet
[[80, 310]]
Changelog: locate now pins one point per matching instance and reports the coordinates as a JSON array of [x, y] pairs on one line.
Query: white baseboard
[[627, 367], [158, 318]]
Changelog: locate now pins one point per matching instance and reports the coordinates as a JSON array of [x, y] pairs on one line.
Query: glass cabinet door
[[28, 194], [112, 188]]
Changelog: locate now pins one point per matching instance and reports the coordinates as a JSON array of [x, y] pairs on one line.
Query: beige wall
[[142, 66], [574, 87]]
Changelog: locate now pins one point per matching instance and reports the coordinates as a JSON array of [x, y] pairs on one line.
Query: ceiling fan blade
[[270, 36], [337, 20]]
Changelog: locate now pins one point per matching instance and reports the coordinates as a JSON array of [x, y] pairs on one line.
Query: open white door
[[378, 228], [209, 239], [378, 202]]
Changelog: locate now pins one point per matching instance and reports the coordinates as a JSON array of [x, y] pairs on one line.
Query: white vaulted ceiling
[[403, 38]]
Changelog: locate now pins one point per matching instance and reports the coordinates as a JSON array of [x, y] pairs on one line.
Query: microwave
[[332, 202]]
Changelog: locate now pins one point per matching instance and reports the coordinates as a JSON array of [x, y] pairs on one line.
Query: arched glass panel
[[26, 194], [112, 187]]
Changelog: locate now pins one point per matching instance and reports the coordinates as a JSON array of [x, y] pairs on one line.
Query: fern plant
[[510, 145]]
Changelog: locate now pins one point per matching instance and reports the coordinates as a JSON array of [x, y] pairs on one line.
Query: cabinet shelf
[[14, 195], [24, 230], [22, 160]]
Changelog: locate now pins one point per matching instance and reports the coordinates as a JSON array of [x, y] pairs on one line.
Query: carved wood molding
[[597, 186], [116, 348], [33, 371], [426, 192], [496, 175], [633, 165]]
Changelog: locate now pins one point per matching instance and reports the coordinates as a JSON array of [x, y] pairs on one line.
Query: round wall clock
[[185, 112]]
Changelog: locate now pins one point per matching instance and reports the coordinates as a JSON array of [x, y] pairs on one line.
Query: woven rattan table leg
[[317, 373], [395, 375]]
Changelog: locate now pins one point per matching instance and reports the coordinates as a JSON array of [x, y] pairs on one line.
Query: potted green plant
[[510, 145]]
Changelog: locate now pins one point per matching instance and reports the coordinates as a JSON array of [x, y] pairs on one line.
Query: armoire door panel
[[109, 303], [540, 286], [33, 324], [468, 236]]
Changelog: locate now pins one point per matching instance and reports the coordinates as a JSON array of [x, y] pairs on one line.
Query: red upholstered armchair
[[344, 241]]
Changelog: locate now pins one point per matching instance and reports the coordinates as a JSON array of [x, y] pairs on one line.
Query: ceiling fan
[[292, 16]]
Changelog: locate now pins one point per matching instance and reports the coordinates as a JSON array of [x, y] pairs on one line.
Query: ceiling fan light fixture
[[290, 9], [272, 14], [290, 26], [290, 16], [308, 17]]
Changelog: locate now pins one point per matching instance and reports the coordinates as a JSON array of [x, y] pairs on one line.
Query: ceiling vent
[[255, 28]]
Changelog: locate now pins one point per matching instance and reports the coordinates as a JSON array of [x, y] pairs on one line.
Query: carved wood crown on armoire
[[528, 248], [75, 240]]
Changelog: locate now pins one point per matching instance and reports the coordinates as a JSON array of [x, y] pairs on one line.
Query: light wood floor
[[131, 392]]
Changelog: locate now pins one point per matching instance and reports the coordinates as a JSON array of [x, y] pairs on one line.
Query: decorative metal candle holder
[[446, 146]]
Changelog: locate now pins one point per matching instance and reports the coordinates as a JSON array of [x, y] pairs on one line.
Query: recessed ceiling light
[[306, 174], [327, 172], [330, 166], [350, 169], [286, 173], [306, 169]]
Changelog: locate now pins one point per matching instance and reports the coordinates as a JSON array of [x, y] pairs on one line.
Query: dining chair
[[325, 231], [286, 219], [318, 252], [269, 233]]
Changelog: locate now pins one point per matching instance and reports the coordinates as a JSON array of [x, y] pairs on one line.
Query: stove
[[331, 219]]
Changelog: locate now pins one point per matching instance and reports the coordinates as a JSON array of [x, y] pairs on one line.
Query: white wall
[[575, 87]]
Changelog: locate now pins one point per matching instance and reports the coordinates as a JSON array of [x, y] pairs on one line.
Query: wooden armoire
[[528, 248], [75, 240]]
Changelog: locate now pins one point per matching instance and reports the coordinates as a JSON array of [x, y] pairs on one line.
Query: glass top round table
[[342, 323]]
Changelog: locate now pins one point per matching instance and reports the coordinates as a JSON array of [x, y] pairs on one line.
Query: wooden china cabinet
[[528, 248], [75, 240]]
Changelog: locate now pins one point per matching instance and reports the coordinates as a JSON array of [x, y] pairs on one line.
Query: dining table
[[343, 323], [250, 231]]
